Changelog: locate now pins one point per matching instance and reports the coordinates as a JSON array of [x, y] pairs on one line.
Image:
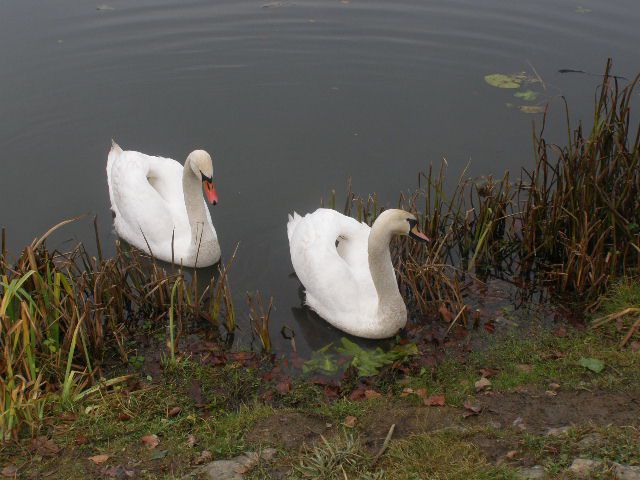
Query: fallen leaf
[[158, 454], [204, 456], [9, 471], [527, 95], [488, 372], [435, 401], [550, 393], [471, 408], [560, 332], [372, 394], [501, 80], [554, 386], [123, 416], [44, 446], [284, 386], [118, 472], [151, 441], [174, 411], [195, 392], [511, 454], [635, 346], [191, 440], [358, 393], [447, 316], [406, 392], [482, 384], [81, 439], [592, 364], [99, 459], [350, 421], [531, 108]]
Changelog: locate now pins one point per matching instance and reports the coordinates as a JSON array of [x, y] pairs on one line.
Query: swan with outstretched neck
[[345, 267], [159, 207]]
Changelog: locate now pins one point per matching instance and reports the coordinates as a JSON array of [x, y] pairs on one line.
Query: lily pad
[[527, 95], [531, 109], [592, 364], [500, 80]]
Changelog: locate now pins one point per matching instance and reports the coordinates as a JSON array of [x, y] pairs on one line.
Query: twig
[[384, 445]]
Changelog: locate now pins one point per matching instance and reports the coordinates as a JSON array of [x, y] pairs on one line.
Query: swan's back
[[337, 280]]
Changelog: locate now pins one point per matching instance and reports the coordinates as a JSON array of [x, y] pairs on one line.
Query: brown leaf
[[174, 411], [204, 456], [482, 384], [554, 386], [511, 454], [118, 472], [44, 446], [191, 440], [195, 392], [10, 471], [635, 346], [350, 421], [372, 394], [283, 387], [358, 393], [488, 372], [471, 408], [124, 416], [151, 441], [98, 459], [551, 393], [81, 439], [406, 392], [435, 401], [447, 316], [560, 332]]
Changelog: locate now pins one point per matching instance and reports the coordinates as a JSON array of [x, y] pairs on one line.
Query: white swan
[[345, 267], [159, 208]]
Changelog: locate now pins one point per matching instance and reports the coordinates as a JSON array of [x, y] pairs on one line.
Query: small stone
[[627, 472], [557, 431], [234, 468], [554, 386], [494, 424], [531, 473], [583, 467], [589, 441]]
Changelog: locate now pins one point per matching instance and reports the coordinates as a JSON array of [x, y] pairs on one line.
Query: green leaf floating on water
[[369, 362], [500, 80], [531, 109], [592, 364], [321, 361], [527, 95]]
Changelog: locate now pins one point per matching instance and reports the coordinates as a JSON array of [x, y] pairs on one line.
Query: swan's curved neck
[[201, 233], [382, 272]]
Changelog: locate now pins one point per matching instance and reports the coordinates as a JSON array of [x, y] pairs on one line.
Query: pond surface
[[292, 98]]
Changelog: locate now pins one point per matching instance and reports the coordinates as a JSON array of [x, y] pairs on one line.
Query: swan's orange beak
[[418, 235], [210, 192]]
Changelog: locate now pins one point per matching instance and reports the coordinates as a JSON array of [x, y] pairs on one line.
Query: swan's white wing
[[338, 287], [144, 213]]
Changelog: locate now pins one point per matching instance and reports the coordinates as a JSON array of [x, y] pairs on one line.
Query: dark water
[[292, 98]]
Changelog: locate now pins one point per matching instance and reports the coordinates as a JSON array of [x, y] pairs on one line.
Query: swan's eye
[[205, 178], [412, 222]]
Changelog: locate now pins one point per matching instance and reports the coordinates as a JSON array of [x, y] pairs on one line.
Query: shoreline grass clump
[[61, 312]]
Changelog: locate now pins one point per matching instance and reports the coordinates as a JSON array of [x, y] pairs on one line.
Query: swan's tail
[[115, 146], [292, 224]]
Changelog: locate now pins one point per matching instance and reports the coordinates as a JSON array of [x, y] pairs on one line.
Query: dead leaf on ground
[[446, 314], [471, 408], [482, 384], [10, 471], [81, 439], [372, 394], [550, 393], [99, 459], [124, 416], [511, 454], [350, 421], [524, 367], [191, 440], [635, 346], [435, 401], [358, 393], [284, 386], [554, 386], [488, 372], [151, 441], [174, 411], [195, 392], [203, 457], [118, 472], [44, 446]]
